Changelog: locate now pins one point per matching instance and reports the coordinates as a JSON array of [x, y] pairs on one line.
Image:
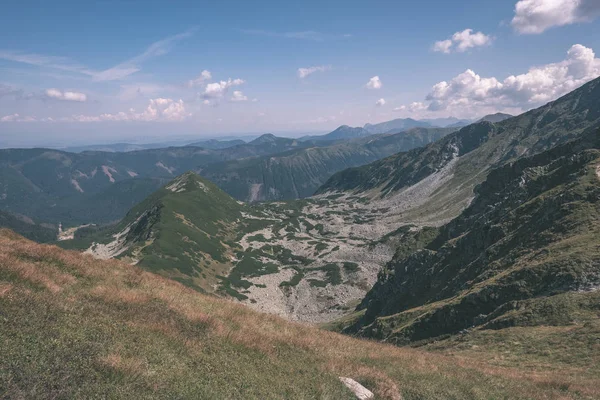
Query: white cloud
[[67, 95], [536, 16], [9, 118], [374, 83], [17, 118], [304, 72], [203, 77], [319, 120], [468, 92], [380, 102], [159, 109], [218, 89], [442, 46], [132, 65], [414, 107], [462, 41], [238, 96], [117, 72]]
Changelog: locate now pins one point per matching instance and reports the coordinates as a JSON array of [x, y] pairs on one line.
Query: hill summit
[[181, 231]]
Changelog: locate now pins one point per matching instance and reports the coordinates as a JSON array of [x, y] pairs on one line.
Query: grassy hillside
[[185, 230], [524, 253], [75, 327], [297, 174]]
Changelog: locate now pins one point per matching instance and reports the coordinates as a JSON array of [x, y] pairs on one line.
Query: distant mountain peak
[[267, 137], [395, 126], [497, 117], [187, 182]]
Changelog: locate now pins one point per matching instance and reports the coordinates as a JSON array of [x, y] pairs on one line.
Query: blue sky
[[73, 71]]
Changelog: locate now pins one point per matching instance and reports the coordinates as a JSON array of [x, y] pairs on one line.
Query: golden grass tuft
[[112, 293], [129, 365]]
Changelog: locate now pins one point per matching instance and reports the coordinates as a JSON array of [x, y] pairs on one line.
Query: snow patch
[[132, 174]]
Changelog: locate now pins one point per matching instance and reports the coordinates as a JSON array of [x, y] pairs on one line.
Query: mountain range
[[477, 246], [99, 187]]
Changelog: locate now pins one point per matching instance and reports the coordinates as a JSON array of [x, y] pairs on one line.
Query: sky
[[76, 72]]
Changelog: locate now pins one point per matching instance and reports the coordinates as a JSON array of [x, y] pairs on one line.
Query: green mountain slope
[[343, 132], [75, 327], [215, 144], [185, 230], [57, 186], [30, 229], [299, 173], [396, 125], [517, 256], [498, 117], [467, 155]]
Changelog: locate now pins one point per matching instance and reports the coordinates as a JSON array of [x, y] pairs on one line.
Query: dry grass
[[148, 323]]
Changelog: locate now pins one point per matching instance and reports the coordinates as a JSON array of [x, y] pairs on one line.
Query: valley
[[319, 259]]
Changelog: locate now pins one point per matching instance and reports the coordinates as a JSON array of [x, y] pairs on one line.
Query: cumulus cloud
[[17, 118], [380, 102], [66, 96], [442, 46], [462, 41], [539, 85], [159, 109], [304, 72], [536, 16], [218, 89], [374, 83], [9, 118], [414, 107], [238, 96], [204, 76]]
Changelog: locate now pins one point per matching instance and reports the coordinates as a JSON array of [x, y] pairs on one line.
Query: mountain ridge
[[527, 236]]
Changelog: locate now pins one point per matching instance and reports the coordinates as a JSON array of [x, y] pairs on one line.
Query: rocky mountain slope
[[302, 259], [469, 154], [524, 253], [75, 327], [297, 174]]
